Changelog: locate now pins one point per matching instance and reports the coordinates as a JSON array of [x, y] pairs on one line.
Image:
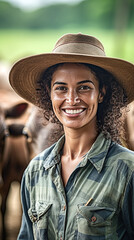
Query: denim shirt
[[96, 204]]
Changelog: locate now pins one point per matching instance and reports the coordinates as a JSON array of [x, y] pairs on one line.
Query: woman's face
[[75, 95]]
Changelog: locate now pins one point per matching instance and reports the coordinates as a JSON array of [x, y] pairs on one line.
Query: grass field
[[16, 44]]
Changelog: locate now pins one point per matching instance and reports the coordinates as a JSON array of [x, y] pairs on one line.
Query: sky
[[33, 4]]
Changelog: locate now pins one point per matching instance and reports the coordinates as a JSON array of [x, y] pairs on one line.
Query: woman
[[82, 187]]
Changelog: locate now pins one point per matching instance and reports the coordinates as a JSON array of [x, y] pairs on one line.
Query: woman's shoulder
[[38, 161], [45, 158], [121, 154]]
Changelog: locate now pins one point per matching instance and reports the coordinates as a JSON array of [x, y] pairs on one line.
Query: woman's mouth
[[74, 111]]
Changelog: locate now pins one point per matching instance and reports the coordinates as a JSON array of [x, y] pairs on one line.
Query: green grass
[[16, 44]]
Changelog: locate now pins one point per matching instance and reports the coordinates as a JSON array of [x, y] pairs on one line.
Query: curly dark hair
[[109, 111]]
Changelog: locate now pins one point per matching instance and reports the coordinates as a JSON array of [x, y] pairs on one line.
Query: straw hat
[[73, 48]]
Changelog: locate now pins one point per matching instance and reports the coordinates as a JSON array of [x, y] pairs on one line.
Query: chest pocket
[[96, 221], [38, 214]]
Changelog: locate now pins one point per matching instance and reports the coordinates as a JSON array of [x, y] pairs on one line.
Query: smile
[[75, 111]]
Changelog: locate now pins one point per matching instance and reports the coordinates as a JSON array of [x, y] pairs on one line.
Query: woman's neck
[[78, 142]]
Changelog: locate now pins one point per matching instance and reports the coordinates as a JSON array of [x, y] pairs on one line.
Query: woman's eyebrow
[[60, 83], [85, 81], [81, 82]]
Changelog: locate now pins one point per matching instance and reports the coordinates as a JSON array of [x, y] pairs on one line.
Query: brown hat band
[[76, 48]]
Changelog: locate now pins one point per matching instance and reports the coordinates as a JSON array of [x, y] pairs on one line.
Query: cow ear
[[16, 111]]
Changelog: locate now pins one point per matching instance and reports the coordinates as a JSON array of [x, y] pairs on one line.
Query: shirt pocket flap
[[96, 214], [38, 210]]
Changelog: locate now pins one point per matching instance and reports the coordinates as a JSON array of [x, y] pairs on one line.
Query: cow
[[14, 153], [13, 143]]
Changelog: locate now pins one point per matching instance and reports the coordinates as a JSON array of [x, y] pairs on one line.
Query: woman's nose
[[72, 98]]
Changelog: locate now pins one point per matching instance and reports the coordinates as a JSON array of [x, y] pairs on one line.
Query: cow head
[[40, 133]]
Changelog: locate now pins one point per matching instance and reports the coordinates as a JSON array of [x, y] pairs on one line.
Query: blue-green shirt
[[105, 177]]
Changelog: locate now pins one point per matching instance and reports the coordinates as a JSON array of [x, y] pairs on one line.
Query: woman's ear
[[102, 94]]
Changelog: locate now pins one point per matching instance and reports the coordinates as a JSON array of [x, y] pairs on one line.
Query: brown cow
[[14, 153], [13, 145]]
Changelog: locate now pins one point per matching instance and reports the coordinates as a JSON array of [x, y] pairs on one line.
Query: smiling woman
[[82, 187], [74, 98]]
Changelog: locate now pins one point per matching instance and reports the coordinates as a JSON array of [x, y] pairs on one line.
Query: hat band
[[81, 48]]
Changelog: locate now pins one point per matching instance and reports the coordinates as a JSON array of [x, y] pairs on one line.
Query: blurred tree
[[10, 16], [122, 14], [85, 13], [122, 20], [54, 16], [96, 13]]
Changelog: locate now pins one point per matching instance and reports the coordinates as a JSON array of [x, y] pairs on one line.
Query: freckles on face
[[74, 94]]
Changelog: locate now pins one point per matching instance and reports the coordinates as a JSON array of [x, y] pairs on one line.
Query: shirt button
[[93, 219], [34, 219]]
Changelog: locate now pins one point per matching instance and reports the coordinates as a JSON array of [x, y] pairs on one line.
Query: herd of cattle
[[23, 134]]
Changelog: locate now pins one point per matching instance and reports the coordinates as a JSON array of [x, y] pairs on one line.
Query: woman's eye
[[83, 87], [61, 88]]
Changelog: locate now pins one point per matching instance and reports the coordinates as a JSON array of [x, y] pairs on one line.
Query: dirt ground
[[13, 214]]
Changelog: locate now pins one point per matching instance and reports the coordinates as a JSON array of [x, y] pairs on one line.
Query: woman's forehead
[[77, 70]]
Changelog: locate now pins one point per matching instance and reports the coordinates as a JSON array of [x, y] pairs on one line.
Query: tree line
[[87, 13]]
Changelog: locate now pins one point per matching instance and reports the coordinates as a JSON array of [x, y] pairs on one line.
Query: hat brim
[[25, 74]]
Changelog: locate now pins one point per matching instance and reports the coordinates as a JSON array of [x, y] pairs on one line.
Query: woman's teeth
[[70, 111]]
